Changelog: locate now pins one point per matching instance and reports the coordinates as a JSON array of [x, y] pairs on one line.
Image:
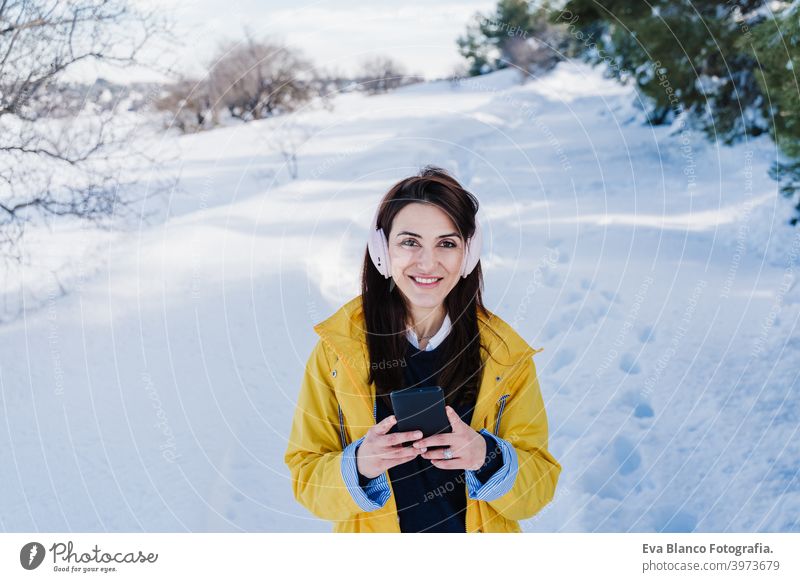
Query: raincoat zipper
[[502, 401]]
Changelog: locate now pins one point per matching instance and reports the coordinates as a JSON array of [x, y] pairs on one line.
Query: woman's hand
[[380, 451], [467, 445]]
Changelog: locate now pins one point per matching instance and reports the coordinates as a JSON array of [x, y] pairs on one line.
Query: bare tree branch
[[80, 166]]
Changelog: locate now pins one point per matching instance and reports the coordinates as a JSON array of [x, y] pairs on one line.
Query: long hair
[[385, 311]]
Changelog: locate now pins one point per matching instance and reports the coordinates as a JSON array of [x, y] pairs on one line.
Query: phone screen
[[420, 409]]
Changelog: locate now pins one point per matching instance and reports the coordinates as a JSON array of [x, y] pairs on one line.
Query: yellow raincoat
[[335, 407]]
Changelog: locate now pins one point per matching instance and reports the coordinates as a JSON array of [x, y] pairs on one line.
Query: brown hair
[[385, 309]]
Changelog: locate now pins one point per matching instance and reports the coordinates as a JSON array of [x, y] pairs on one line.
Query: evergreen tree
[[776, 44], [729, 66], [517, 33], [682, 55]]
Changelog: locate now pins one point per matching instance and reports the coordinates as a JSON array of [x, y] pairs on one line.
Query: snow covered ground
[[653, 267]]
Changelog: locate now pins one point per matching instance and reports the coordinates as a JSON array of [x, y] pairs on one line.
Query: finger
[[399, 453], [385, 425], [435, 440], [437, 454], [397, 438], [452, 464], [453, 417]]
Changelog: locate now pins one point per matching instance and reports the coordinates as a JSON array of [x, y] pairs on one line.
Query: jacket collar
[[344, 332]]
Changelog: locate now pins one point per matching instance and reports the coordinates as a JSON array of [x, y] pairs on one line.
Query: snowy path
[[157, 395]]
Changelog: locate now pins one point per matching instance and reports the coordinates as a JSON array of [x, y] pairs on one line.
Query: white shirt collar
[[435, 340]]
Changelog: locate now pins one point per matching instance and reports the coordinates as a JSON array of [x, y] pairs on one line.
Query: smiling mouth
[[426, 283]]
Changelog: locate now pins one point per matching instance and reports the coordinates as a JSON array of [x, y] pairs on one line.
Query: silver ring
[[448, 454]]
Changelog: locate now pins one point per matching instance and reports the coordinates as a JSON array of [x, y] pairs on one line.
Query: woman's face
[[425, 243]]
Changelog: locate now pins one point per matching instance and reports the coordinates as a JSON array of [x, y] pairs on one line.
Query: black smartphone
[[420, 409]]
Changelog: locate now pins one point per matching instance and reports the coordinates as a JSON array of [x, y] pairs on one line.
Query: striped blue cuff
[[502, 481], [374, 494]]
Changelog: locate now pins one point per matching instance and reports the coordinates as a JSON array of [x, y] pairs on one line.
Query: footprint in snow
[[574, 297], [628, 364], [626, 455], [563, 357], [613, 473], [641, 407], [647, 334], [671, 520]]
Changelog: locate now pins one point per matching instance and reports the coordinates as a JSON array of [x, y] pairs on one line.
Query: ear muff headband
[[378, 247]]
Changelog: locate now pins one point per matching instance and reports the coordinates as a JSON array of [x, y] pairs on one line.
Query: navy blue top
[[430, 499]]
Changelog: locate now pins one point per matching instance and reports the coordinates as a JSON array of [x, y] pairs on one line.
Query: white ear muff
[[378, 247], [473, 251]]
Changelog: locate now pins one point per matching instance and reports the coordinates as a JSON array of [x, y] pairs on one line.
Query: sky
[[334, 35]]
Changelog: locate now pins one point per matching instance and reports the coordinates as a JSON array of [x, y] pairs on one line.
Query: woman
[[420, 321]]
